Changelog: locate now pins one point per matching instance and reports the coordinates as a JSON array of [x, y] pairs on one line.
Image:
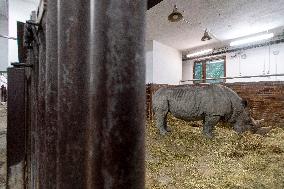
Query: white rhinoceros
[[210, 103]]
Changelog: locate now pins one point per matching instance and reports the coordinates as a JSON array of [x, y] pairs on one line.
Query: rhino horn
[[257, 123]]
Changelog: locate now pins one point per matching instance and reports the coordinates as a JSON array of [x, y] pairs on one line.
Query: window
[[210, 68]]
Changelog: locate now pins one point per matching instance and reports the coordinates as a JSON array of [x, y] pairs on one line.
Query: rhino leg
[[208, 127], [161, 121]]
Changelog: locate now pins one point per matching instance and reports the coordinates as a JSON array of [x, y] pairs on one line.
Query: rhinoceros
[[210, 103]]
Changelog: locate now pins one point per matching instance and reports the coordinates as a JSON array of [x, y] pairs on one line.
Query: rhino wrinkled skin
[[210, 103]]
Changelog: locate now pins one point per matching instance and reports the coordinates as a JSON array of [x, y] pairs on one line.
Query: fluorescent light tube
[[252, 39], [216, 61], [199, 53]]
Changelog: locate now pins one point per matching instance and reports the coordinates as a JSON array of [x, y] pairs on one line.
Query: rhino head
[[245, 122]]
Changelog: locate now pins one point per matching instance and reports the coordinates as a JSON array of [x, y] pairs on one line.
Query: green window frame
[[210, 68]]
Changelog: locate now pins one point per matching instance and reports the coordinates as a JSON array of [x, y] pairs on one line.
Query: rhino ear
[[245, 103]]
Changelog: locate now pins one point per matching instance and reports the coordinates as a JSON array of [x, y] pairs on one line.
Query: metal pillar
[[101, 94], [41, 119], [16, 129], [51, 96], [73, 92], [117, 95]]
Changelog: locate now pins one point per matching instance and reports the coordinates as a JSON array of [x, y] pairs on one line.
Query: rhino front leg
[[208, 127], [161, 121]]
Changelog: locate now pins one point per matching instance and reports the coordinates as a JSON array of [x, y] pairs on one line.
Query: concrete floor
[[3, 128]]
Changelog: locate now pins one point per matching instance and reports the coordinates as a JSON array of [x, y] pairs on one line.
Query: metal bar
[[101, 94], [22, 50], [16, 64], [117, 93], [73, 93], [41, 10], [28, 99], [51, 96], [41, 119], [33, 136], [236, 77], [16, 129]]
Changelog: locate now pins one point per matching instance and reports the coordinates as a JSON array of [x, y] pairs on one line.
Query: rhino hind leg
[[161, 121], [209, 123]]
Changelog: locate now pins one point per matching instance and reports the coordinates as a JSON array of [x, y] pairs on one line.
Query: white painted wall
[[258, 61], [167, 64], [187, 70], [19, 10], [3, 31], [163, 64], [149, 61]]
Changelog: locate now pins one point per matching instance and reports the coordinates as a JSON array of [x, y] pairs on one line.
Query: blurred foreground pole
[[16, 129], [117, 94], [73, 93], [101, 95], [51, 87]]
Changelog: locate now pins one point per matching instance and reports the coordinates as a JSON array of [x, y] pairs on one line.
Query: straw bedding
[[186, 159]]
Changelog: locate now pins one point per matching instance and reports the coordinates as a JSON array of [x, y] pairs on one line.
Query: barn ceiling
[[225, 19]]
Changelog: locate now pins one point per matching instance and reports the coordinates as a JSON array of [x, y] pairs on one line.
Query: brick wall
[[266, 99]]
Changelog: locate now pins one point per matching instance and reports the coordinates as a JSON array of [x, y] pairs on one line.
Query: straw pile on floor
[[186, 159]]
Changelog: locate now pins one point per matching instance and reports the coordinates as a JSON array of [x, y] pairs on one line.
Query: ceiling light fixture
[[252, 39], [199, 53], [206, 36], [175, 16]]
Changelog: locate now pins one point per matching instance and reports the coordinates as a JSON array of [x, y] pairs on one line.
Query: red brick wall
[[266, 99]]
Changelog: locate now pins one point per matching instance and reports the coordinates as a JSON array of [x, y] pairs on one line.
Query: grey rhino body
[[210, 103]]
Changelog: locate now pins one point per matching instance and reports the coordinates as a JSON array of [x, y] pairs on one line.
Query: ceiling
[[225, 19]]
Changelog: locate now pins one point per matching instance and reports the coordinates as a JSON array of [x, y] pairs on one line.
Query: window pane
[[198, 71], [215, 69]]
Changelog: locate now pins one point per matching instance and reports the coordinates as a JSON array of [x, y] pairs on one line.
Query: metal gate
[[77, 105]]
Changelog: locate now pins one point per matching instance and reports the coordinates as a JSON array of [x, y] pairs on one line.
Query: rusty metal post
[[33, 135], [41, 119], [51, 96], [16, 129], [101, 94], [73, 93], [117, 95]]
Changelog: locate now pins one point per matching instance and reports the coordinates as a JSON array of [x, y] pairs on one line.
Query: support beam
[[117, 88], [16, 129], [101, 94], [152, 3], [51, 95], [73, 93]]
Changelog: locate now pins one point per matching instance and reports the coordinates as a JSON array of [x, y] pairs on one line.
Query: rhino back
[[193, 102]]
